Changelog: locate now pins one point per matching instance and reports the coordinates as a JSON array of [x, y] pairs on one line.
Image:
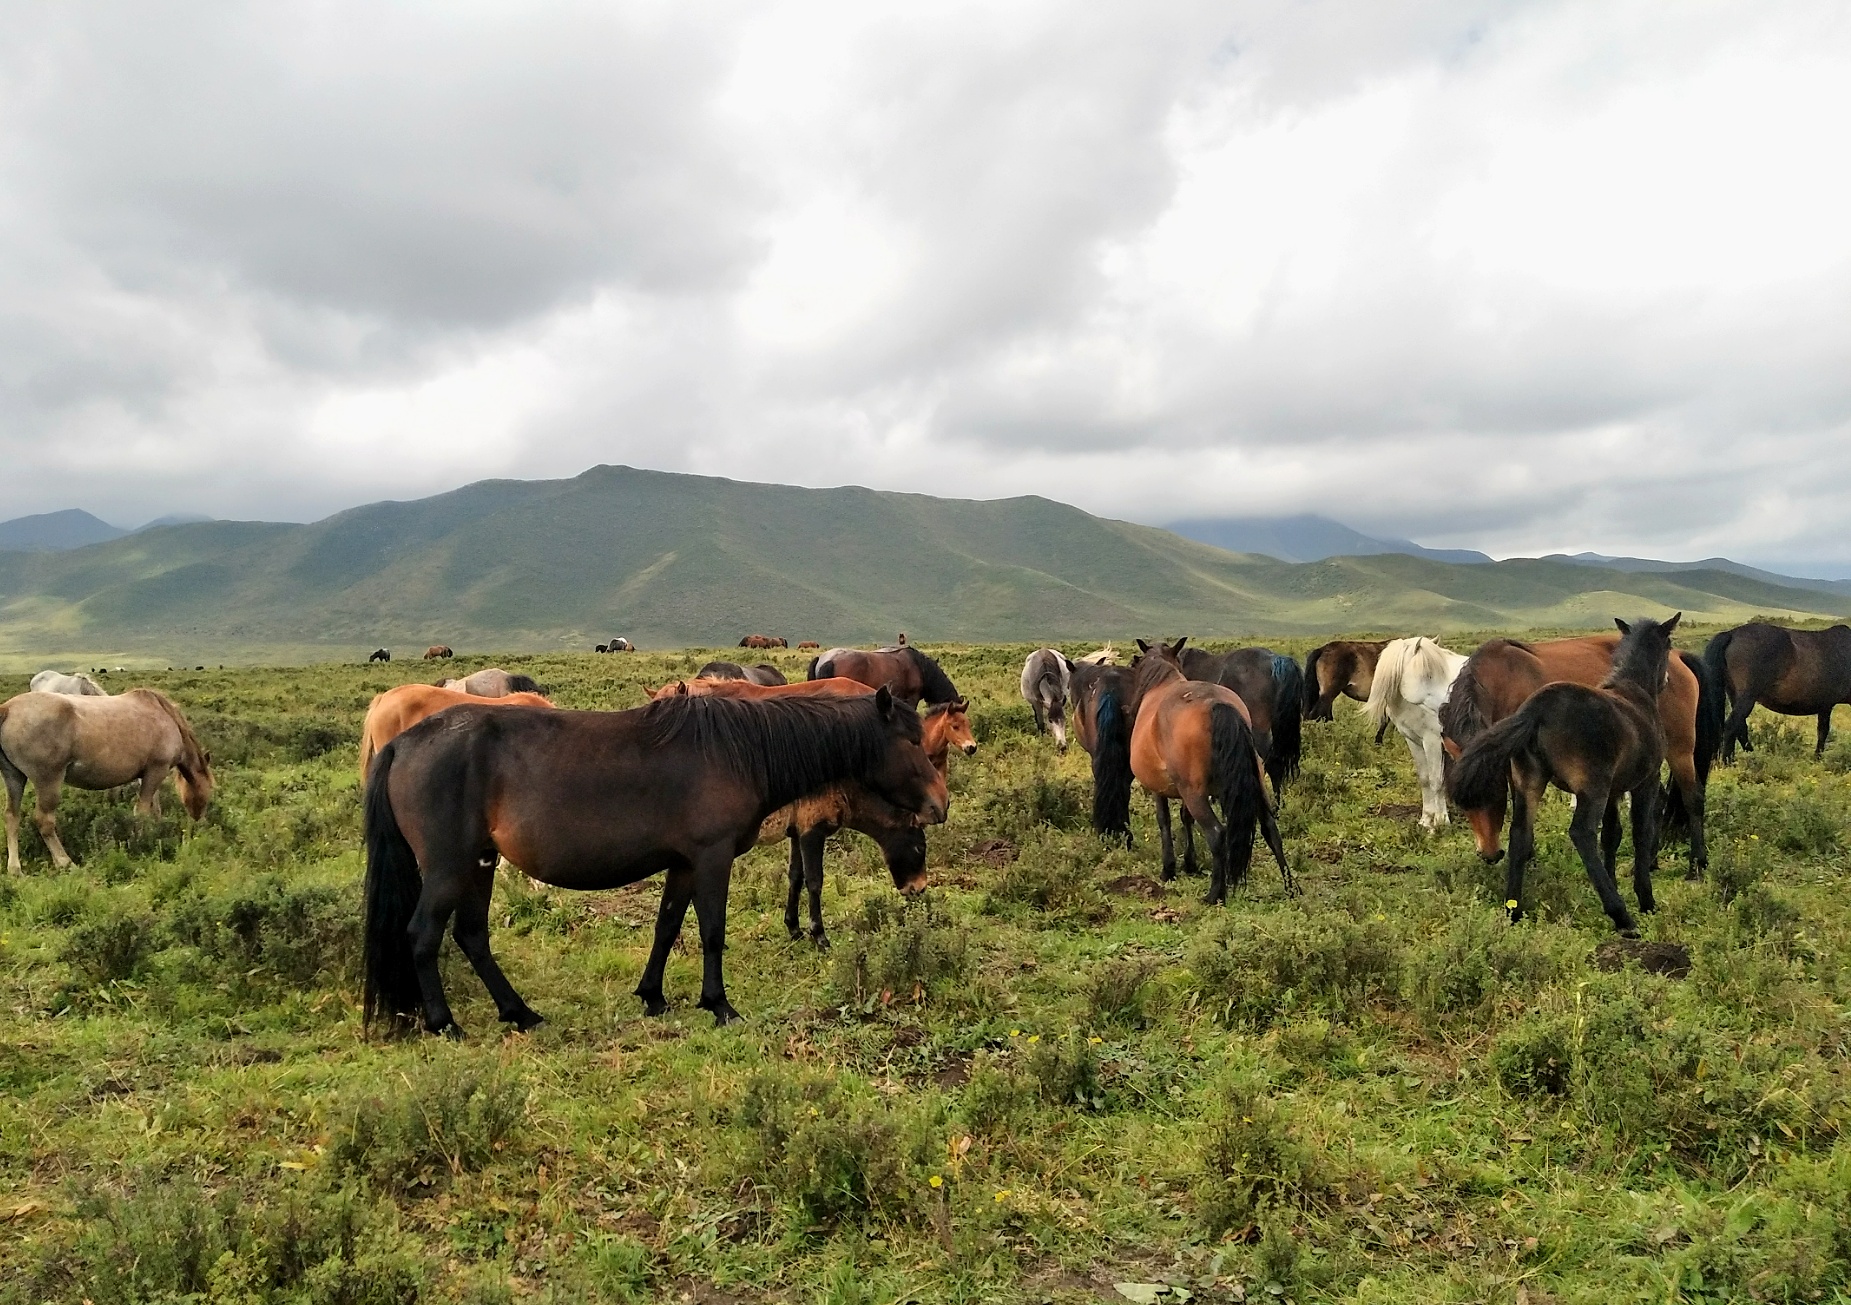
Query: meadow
[[1051, 1079]]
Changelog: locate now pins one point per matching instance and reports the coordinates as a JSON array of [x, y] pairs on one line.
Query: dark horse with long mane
[[589, 800], [910, 674], [1344, 668], [1100, 698], [1273, 688], [1596, 743], [1793, 672]]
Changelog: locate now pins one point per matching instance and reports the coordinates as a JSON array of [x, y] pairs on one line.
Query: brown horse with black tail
[[1344, 668], [1793, 672], [913, 676], [1273, 689], [1100, 696]]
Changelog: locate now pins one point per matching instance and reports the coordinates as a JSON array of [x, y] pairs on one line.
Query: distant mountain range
[[1307, 539], [57, 532], [672, 560]]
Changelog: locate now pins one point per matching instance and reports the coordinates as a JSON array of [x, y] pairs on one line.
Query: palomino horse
[[1273, 688], [393, 712], [913, 676], [1503, 673], [1793, 672], [1100, 695], [1595, 743], [1408, 685], [763, 673], [1190, 741], [1044, 684], [53, 739], [492, 683], [78, 685], [589, 800], [439, 652], [1344, 668]]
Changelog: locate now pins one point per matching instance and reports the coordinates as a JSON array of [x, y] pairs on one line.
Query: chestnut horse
[[393, 712], [1273, 688], [913, 676], [1793, 672], [1503, 673], [438, 652], [1100, 695], [1346, 668]]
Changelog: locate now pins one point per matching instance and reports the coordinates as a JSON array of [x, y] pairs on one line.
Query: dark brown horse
[[1793, 672], [592, 800], [1273, 688], [1596, 743], [913, 676], [1100, 697], [1344, 668], [764, 641]]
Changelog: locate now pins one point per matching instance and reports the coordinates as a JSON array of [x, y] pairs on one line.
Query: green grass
[[1041, 1080]]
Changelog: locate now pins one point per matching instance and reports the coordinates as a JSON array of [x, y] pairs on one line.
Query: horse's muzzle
[[915, 886], [970, 749]]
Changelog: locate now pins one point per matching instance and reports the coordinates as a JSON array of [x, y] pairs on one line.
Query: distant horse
[[1272, 686], [438, 652], [809, 643], [1596, 743], [615, 645], [1344, 668], [1100, 696], [493, 682], [379, 655], [763, 673], [58, 682], [1102, 657], [913, 676], [1190, 741], [593, 800], [764, 641], [53, 739], [1793, 672], [1044, 683], [393, 712], [1408, 685]]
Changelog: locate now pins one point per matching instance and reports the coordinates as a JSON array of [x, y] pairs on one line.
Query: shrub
[[297, 932], [1251, 1160], [1052, 879], [1115, 994], [1477, 958], [1535, 1058], [994, 1097], [108, 948], [453, 1121], [1257, 969], [1043, 799], [896, 952], [1066, 1072], [831, 1154]]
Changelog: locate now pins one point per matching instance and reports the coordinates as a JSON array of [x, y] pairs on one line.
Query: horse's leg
[[677, 892], [148, 800], [1590, 809], [1610, 836], [1189, 839], [1524, 798], [1041, 716], [1269, 830], [815, 843], [1418, 754], [1684, 775], [1645, 842], [1199, 811], [796, 892], [1435, 753], [1163, 833], [1825, 731], [15, 799], [45, 814], [442, 893], [471, 934], [1737, 727], [713, 874]]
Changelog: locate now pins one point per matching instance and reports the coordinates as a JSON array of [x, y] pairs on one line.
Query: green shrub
[[896, 951], [833, 1155], [453, 1120], [1116, 992], [108, 948], [1043, 799], [1535, 1057], [1051, 878], [1476, 959], [994, 1097], [296, 932], [1253, 970], [1066, 1072], [1251, 1159]]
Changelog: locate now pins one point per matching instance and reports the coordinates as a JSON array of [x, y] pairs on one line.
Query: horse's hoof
[[1626, 932], [820, 942], [524, 1019], [723, 1012], [654, 1007], [795, 933], [451, 1030]]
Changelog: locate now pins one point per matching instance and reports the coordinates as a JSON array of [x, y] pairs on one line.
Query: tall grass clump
[[1251, 970]]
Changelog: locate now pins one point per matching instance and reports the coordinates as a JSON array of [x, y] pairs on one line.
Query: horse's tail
[[392, 889], [1237, 783], [15, 777], [1710, 721], [1481, 775], [1112, 768], [809, 672], [1288, 720], [1313, 690], [1716, 662], [1462, 716]]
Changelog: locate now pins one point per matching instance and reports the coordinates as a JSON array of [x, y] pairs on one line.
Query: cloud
[[1551, 275]]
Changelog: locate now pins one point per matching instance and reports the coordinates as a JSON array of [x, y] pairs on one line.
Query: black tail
[[1237, 783], [1716, 662], [809, 672], [392, 888], [1312, 691], [1288, 720], [1112, 769], [524, 684], [1481, 775], [1462, 719], [1711, 717]]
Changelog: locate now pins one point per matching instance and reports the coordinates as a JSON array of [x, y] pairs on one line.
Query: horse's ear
[[883, 701], [1142, 646], [1624, 628], [962, 704], [1671, 625], [1176, 649]]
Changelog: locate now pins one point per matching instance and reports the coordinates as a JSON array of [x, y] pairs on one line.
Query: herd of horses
[[460, 776]]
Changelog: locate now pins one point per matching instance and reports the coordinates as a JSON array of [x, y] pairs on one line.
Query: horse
[[764, 641], [393, 712], [1272, 686], [1099, 695], [438, 652], [763, 673], [808, 643], [1793, 672], [1345, 667], [913, 676], [592, 800], [1596, 743], [1044, 683], [1498, 678], [1099, 657], [78, 685], [379, 655], [493, 682], [1190, 741], [1408, 685], [53, 739]]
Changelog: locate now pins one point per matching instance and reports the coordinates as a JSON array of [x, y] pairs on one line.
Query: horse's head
[[903, 847], [904, 776], [1644, 655], [193, 777], [947, 726], [1327, 672]]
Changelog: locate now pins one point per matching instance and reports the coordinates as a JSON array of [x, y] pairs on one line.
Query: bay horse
[[1044, 684], [78, 685], [1190, 741], [1100, 695], [493, 682], [1273, 689], [438, 652], [379, 655], [591, 800], [1410, 682], [1502, 674], [393, 712], [1596, 743], [1793, 672], [913, 676], [1341, 668], [764, 641], [53, 739]]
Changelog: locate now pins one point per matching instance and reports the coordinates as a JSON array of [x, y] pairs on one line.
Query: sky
[[1524, 277]]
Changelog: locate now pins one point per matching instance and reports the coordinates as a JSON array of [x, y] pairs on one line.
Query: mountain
[[1306, 538], [671, 560], [52, 532], [1646, 564]]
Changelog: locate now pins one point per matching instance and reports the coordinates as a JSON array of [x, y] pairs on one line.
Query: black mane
[[1641, 659], [936, 684]]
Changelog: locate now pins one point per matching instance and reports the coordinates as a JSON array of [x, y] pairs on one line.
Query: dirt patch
[[1328, 853], [1667, 958], [1137, 886], [953, 1075], [1396, 810], [692, 1291], [997, 852], [1164, 915], [639, 1224]]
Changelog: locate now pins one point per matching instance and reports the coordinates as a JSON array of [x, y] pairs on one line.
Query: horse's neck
[[937, 744]]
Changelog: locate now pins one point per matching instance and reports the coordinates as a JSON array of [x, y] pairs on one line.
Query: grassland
[[1049, 1077]]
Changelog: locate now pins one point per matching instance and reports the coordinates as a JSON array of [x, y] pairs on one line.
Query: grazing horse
[[379, 655], [913, 676], [1044, 683], [493, 683], [438, 652], [763, 673], [1272, 686], [1498, 678], [1101, 696], [809, 643], [764, 641], [1407, 688], [591, 800], [1343, 668], [53, 739], [1793, 672], [615, 645], [1190, 741], [1595, 743], [81, 686], [393, 712]]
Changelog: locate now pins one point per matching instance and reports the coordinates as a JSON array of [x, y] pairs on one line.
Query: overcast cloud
[[1514, 276]]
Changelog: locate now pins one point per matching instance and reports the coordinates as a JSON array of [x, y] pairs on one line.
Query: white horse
[[1412, 679], [1044, 683], [59, 682]]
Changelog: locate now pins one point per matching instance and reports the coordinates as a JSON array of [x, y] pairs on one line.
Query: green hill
[[690, 560]]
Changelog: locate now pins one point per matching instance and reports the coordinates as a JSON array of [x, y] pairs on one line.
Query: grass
[[1048, 1077]]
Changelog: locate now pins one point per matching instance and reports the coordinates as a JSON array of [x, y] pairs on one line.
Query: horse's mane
[[1462, 716], [937, 685], [1633, 660], [782, 747], [940, 708], [189, 742]]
